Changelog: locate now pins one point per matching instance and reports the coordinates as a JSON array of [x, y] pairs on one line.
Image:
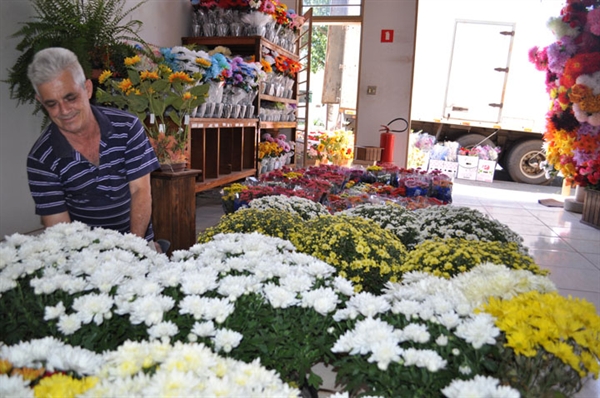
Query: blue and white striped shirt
[[61, 179]]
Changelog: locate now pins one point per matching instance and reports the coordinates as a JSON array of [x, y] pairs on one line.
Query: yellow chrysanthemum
[[60, 385]]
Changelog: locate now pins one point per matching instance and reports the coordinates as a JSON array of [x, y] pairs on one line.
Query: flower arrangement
[[364, 253], [392, 217], [452, 256], [571, 64], [241, 296], [333, 146], [465, 223], [162, 99], [484, 152]]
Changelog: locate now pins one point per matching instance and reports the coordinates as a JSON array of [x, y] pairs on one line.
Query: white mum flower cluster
[[305, 208]]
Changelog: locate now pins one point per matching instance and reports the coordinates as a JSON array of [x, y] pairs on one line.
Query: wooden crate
[[591, 208], [368, 153]]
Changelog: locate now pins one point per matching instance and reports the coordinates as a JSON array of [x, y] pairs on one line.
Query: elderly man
[[91, 164]]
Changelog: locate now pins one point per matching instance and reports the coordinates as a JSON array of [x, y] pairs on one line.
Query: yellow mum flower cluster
[[452, 256], [566, 328]]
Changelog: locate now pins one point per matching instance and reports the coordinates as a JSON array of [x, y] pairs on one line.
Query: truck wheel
[[523, 162], [470, 140]]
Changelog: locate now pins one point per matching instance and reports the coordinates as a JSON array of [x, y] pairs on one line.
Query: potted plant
[[163, 100], [100, 32]]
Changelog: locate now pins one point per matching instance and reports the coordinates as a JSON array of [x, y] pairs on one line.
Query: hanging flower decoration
[[572, 66]]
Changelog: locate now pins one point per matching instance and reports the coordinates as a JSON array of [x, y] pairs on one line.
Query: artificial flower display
[[331, 146], [162, 99], [125, 319], [572, 67]]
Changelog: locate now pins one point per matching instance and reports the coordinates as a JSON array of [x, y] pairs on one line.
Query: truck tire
[[523, 162], [470, 140]]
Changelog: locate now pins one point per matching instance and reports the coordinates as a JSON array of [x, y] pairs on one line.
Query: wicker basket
[[591, 208]]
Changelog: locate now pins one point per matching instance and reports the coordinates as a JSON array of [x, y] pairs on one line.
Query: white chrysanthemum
[[150, 309], [385, 352], [442, 340], [234, 286], [226, 340], [69, 324], [163, 330], [297, 281], [53, 312], [204, 329], [93, 307], [465, 369], [279, 297], [343, 285], [428, 359], [368, 304], [6, 284], [323, 300], [14, 386], [365, 333], [415, 332], [479, 386], [478, 330], [200, 281], [449, 319]]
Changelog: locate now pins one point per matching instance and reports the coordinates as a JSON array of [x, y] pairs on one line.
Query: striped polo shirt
[[61, 179]]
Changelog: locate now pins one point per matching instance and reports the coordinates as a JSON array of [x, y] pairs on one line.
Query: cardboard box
[[467, 167], [368, 153], [485, 170], [448, 168]]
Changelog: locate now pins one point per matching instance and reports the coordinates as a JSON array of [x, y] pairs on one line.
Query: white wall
[[388, 66]]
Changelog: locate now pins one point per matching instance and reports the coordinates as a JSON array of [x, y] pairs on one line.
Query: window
[[333, 8]]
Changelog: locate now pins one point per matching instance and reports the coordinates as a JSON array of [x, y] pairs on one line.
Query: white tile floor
[[557, 240]]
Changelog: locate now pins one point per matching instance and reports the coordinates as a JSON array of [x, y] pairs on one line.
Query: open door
[[303, 88], [478, 71]]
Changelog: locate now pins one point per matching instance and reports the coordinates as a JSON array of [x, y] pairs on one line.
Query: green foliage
[[450, 257], [318, 47], [97, 31]]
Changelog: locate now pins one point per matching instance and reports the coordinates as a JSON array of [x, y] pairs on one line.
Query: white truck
[[473, 82]]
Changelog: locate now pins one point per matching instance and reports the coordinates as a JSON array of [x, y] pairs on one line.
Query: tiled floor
[[557, 240]]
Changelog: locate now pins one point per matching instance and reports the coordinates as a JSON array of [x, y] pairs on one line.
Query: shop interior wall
[[385, 65]]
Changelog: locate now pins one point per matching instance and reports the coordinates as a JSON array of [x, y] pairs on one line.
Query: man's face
[[67, 102]]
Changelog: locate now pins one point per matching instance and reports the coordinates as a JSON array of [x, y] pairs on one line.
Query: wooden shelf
[[265, 97], [211, 183], [278, 125]]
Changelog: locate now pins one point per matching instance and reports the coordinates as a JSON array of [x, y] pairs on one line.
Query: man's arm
[[141, 205], [54, 219]]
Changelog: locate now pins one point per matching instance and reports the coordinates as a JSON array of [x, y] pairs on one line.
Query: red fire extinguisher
[[387, 138]]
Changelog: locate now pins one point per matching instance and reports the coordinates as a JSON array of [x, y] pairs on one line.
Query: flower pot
[[591, 208]]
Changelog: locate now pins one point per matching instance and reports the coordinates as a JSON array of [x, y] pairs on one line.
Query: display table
[[174, 207]]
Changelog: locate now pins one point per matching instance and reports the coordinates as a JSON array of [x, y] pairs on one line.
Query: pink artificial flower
[[593, 21]]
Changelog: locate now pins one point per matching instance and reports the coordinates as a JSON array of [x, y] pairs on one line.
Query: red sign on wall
[[387, 35]]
